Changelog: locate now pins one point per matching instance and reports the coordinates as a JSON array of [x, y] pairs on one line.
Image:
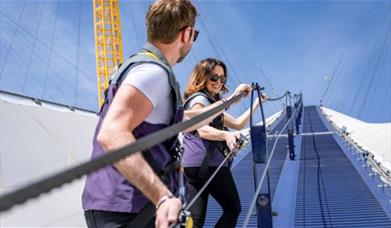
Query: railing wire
[[35, 189]]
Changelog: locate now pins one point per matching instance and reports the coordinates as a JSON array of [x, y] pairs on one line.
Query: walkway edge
[[371, 182]]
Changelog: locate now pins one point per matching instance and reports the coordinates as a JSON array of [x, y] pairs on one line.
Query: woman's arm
[[239, 123], [214, 134], [211, 133], [188, 114]]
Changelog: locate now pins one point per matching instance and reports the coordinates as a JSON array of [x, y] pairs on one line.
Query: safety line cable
[[35, 189], [278, 98], [207, 182]]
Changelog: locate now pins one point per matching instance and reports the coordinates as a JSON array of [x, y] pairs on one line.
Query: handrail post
[[260, 156], [290, 133], [264, 211], [259, 201], [297, 120]]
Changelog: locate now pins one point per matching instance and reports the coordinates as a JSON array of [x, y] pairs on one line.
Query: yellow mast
[[108, 42]]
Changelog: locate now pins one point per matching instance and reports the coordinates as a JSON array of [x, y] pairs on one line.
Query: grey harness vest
[[148, 55], [108, 185], [211, 146]]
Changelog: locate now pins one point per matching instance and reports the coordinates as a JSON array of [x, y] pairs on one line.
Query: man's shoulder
[[148, 68], [148, 73]]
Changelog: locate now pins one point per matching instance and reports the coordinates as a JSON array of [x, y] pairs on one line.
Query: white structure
[[36, 141], [39, 140], [373, 137]]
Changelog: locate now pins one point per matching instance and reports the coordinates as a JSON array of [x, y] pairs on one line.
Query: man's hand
[[168, 212]]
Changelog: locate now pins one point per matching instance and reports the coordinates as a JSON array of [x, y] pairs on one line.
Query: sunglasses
[[196, 32], [215, 78]]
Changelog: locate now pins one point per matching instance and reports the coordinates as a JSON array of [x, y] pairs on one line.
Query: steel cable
[[35, 189]]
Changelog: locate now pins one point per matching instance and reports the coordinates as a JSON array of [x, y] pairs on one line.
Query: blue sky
[[47, 50]]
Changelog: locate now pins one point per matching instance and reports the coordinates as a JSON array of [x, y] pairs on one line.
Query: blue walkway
[[330, 192]]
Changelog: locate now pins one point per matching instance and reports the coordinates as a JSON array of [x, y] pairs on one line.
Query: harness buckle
[[184, 220]]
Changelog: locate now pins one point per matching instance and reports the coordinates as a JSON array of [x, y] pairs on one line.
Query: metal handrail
[[253, 202]]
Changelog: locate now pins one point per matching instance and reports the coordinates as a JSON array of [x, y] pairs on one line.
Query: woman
[[205, 148]]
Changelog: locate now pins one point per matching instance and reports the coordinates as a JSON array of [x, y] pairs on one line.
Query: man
[[143, 97]]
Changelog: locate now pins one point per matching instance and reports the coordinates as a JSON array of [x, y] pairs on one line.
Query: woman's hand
[[246, 88], [264, 97], [231, 138]]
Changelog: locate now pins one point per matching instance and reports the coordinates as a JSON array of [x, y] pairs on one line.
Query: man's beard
[[183, 53]]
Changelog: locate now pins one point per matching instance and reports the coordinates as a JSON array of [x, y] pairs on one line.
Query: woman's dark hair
[[200, 76]]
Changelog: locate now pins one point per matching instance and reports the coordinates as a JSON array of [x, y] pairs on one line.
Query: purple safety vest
[[107, 189], [195, 148]]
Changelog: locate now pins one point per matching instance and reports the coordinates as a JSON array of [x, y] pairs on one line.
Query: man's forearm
[[140, 174], [136, 169]]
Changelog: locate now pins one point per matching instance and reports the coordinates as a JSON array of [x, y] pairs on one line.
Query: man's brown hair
[[165, 19]]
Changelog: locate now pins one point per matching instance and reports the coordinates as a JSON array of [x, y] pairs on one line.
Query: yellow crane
[[108, 42]]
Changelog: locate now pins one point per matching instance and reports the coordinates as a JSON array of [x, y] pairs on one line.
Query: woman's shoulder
[[197, 98]]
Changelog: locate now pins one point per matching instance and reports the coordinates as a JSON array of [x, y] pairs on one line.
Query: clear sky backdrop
[[47, 50]]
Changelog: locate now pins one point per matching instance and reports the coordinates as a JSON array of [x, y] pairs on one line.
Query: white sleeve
[[151, 80], [198, 100]]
